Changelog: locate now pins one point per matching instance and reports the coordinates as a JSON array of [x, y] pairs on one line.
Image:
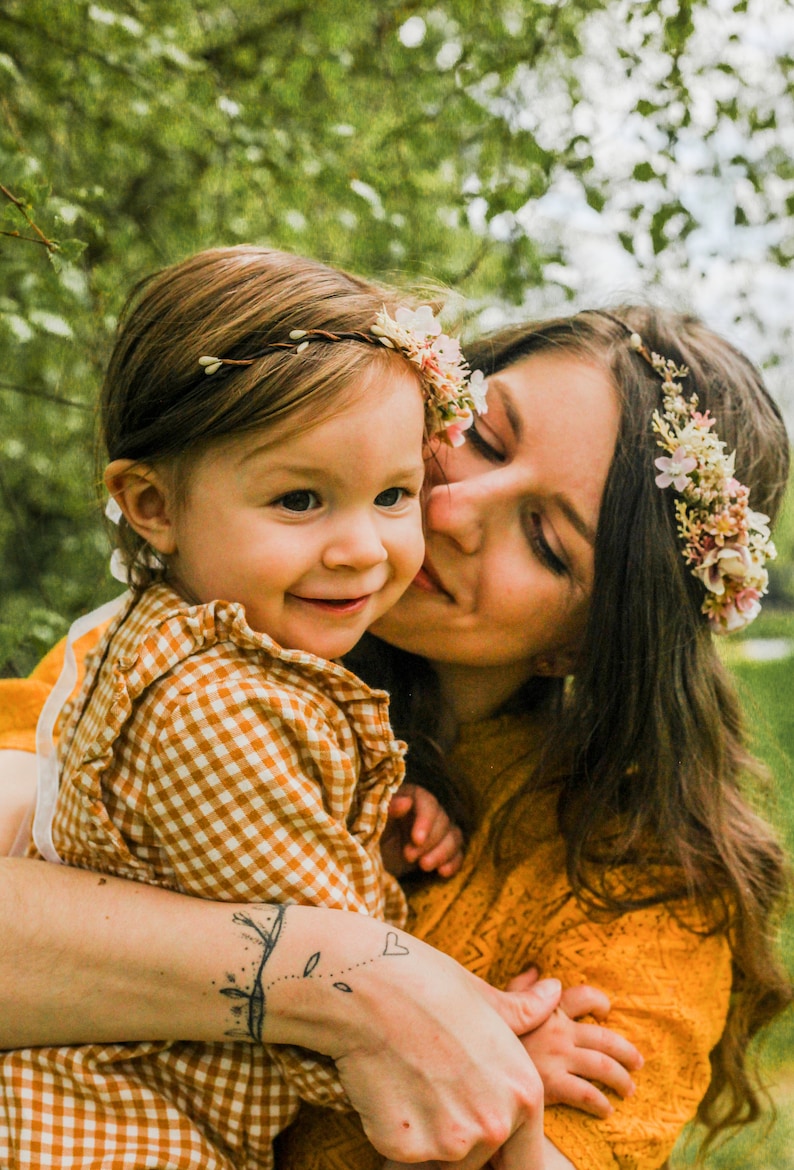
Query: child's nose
[[356, 544]]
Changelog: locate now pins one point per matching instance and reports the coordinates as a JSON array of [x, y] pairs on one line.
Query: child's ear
[[145, 500]]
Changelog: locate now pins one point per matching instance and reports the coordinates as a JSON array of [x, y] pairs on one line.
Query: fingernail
[[548, 988]]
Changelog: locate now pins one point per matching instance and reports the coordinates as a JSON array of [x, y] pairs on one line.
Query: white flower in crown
[[453, 393], [725, 542], [478, 388], [447, 348], [421, 322]]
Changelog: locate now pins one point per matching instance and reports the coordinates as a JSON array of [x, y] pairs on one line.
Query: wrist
[[324, 979]]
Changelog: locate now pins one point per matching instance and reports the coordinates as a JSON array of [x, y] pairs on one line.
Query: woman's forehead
[[567, 395]]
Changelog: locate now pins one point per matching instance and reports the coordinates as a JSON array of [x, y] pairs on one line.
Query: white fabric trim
[[48, 777]]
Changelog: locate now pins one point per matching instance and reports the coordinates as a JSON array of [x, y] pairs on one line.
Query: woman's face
[[510, 524]]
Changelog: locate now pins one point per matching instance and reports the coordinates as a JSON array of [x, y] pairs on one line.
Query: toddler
[[269, 512]]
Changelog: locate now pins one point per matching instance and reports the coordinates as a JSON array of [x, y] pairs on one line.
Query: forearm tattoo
[[264, 935], [262, 932]]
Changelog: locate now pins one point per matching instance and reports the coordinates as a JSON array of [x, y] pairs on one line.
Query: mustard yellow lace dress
[[669, 986]]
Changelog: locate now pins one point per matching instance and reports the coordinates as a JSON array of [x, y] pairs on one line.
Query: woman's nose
[[456, 510], [355, 544]]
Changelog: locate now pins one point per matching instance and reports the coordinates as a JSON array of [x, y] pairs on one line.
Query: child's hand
[[569, 1055], [420, 833]]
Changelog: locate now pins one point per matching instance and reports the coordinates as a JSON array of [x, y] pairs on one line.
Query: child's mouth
[[338, 605]]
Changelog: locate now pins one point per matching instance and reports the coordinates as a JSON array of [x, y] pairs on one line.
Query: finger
[[432, 834], [585, 1001], [526, 979], [449, 847], [402, 802], [581, 1094], [450, 868], [597, 1066], [611, 1044], [523, 1011], [430, 820]]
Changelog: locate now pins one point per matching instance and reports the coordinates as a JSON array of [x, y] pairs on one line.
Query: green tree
[[394, 138]]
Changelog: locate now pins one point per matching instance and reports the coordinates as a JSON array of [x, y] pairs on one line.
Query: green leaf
[[643, 172]]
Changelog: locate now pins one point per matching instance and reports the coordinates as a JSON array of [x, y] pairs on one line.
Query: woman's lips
[[427, 581]]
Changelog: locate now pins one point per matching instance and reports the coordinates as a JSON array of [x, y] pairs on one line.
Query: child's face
[[316, 532]]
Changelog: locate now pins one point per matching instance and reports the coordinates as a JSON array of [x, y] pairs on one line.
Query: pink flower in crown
[[724, 526], [728, 620], [454, 432], [748, 602], [721, 564], [675, 470], [702, 421], [447, 348]]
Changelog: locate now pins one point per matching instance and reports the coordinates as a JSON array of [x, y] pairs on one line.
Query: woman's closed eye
[[474, 437], [533, 526]]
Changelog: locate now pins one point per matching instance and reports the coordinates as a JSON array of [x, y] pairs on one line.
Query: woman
[[610, 843]]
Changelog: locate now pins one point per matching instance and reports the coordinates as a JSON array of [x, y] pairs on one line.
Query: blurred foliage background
[[398, 138], [458, 142]]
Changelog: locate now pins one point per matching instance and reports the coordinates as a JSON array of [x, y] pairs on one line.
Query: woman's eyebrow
[[577, 522], [512, 413]]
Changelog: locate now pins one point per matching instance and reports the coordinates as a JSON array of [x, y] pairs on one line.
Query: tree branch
[[30, 392], [40, 237]]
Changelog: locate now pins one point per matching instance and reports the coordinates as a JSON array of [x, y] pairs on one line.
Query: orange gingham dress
[[204, 758]]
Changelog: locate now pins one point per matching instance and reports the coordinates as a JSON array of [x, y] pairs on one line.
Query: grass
[[767, 690]]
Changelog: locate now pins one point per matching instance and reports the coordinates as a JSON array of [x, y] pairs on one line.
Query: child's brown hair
[[158, 406]]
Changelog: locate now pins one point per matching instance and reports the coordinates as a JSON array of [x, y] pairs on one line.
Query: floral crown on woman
[[725, 542], [452, 392]]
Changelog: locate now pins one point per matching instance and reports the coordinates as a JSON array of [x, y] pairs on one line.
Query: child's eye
[[391, 497], [299, 501]]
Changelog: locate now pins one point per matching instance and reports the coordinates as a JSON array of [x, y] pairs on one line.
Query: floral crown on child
[[452, 392], [724, 541]]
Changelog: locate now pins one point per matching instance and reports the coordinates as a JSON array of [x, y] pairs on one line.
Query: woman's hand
[[442, 1076]]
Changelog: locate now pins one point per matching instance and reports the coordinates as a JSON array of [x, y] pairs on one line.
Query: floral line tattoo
[[255, 998], [252, 1002]]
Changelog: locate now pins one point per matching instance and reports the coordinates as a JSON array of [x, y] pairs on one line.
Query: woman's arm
[[425, 1050], [17, 794], [555, 1160]]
